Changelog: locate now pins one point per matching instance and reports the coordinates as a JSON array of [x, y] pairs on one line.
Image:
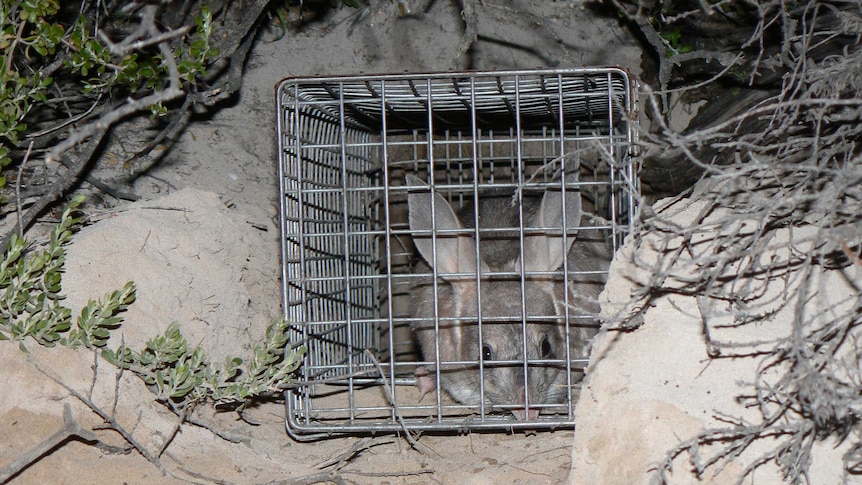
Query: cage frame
[[303, 426]]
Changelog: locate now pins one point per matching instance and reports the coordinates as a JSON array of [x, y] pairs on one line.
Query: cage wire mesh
[[347, 149]]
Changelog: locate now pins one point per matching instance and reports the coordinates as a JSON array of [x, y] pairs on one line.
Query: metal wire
[[345, 145]]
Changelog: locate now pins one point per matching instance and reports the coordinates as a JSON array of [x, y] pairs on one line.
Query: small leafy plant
[[50, 50], [33, 38], [31, 309], [180, 375], [31, 302]]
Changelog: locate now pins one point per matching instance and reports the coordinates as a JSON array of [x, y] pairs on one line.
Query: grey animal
[[454, 346]]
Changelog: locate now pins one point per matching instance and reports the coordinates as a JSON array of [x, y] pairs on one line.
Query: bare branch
[[70, 429], [776, 214], [471, 31]]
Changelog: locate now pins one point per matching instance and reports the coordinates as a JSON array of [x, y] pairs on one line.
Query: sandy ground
[[203, 250]]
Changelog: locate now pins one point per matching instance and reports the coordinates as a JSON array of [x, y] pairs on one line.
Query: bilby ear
[[546, 252], [455, 253]]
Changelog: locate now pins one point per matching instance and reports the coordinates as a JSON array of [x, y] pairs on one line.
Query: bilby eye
[[487, 352], [547, 349]]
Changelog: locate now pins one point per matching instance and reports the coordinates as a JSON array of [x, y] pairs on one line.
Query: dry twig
[[70, 429], [779, 211]]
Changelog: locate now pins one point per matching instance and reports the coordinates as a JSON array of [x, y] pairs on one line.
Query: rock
[[653, 388], [174, 248]]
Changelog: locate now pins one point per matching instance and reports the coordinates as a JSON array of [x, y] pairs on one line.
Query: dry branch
[[779, 207], [110, 421], [70, 429], [90, 117]]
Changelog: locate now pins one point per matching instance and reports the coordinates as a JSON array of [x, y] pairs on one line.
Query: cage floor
[[370, 408]]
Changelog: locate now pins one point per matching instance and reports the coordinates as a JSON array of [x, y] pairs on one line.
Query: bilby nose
[[531, 414], [525, 413]]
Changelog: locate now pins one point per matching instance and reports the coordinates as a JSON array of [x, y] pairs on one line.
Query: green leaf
[[672, 37], [111, 357]]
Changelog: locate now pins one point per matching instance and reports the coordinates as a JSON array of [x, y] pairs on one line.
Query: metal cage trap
[[362, 158]]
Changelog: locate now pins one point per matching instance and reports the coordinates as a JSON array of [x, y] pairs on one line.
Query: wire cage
[[347, 147]]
